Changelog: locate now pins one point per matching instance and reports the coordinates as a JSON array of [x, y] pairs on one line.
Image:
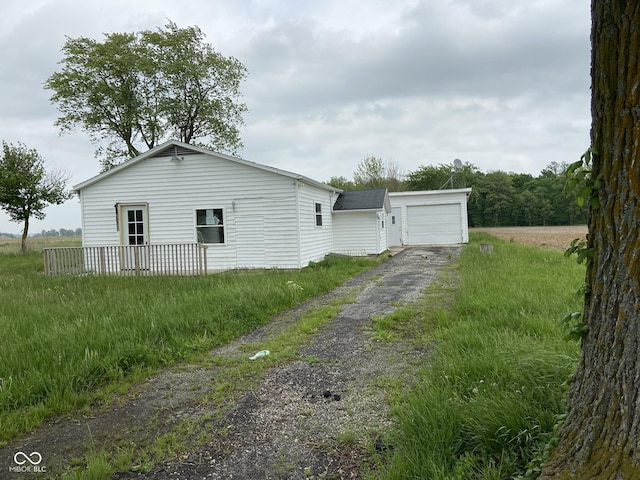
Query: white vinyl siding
[[382, 232], [250, 235], [315, 242], [356, 233], [174, 191]]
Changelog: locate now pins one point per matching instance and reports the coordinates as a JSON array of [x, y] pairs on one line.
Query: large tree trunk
[[600, 439]]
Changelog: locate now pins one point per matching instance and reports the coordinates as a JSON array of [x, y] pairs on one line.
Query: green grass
[[496, 383], [67, 339]]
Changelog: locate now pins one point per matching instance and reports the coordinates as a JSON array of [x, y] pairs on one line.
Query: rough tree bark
[[600, 438]]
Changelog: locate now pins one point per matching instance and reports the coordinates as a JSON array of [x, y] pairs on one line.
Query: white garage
[[430, 217]]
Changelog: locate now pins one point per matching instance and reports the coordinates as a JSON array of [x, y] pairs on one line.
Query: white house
[[247, 214], [429, 217]]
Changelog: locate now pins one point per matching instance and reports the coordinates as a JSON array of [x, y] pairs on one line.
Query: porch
[[157, 259]]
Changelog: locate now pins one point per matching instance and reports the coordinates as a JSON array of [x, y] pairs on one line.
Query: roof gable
[[179, 150], [370, 199]]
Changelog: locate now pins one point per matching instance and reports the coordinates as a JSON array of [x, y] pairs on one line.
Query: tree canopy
[[372, 172], [26, 188], [497, 198], [135, 90]]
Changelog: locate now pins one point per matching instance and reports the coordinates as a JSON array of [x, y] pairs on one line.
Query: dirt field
[[557, 238]]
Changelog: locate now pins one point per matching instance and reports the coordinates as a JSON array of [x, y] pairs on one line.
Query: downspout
[[79, 193], [299, 246], [379, 231]]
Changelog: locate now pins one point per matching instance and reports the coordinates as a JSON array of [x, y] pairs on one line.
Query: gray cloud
[[502, 84]]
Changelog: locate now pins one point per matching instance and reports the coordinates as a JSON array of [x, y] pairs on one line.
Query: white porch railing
[[157, 259]]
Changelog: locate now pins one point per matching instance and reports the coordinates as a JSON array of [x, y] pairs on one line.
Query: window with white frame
[[210, 225], [318, 214]]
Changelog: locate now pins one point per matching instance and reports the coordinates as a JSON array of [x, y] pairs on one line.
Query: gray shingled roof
[[371, 199]]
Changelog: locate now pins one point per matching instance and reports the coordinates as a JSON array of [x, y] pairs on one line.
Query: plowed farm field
[[558, 238]]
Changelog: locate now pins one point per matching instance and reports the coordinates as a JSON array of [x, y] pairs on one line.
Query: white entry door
[[394, 227], [135, 236]]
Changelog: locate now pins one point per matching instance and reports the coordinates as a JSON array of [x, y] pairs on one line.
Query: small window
[[210, 225], [318, 215]]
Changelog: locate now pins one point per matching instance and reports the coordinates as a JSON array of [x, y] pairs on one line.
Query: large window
[[210, 225], [318, 215]]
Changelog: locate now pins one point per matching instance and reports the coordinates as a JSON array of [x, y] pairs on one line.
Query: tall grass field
[[487, 402], [36, 244], [66, 339]]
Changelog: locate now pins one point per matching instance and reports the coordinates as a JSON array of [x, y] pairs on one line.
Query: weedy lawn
[[68, 341], [495, 387]]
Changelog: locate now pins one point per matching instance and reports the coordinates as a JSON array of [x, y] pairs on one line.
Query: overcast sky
[[503, 84]]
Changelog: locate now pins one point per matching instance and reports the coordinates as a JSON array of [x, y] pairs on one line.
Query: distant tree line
[[63, 232], [497, 198]]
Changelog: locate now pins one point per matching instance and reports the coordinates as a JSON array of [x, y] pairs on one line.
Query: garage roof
[[370, 199]]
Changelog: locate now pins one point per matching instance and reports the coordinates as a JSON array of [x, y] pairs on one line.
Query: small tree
[[26, 188], [373, 172]]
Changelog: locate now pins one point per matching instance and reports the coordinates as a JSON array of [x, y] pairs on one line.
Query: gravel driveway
[[310, 418]]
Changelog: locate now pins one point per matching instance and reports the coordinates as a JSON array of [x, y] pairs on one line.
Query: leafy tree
[[373, 172], [554, 170], [430, 177], [369, 173], [25, 186], [135, 90], [394, 177], [342, 183], [522, 181], [496, 195], [600, 436], [525, 209]]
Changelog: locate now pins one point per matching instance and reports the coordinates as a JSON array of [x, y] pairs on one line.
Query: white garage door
[[434, 224]]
